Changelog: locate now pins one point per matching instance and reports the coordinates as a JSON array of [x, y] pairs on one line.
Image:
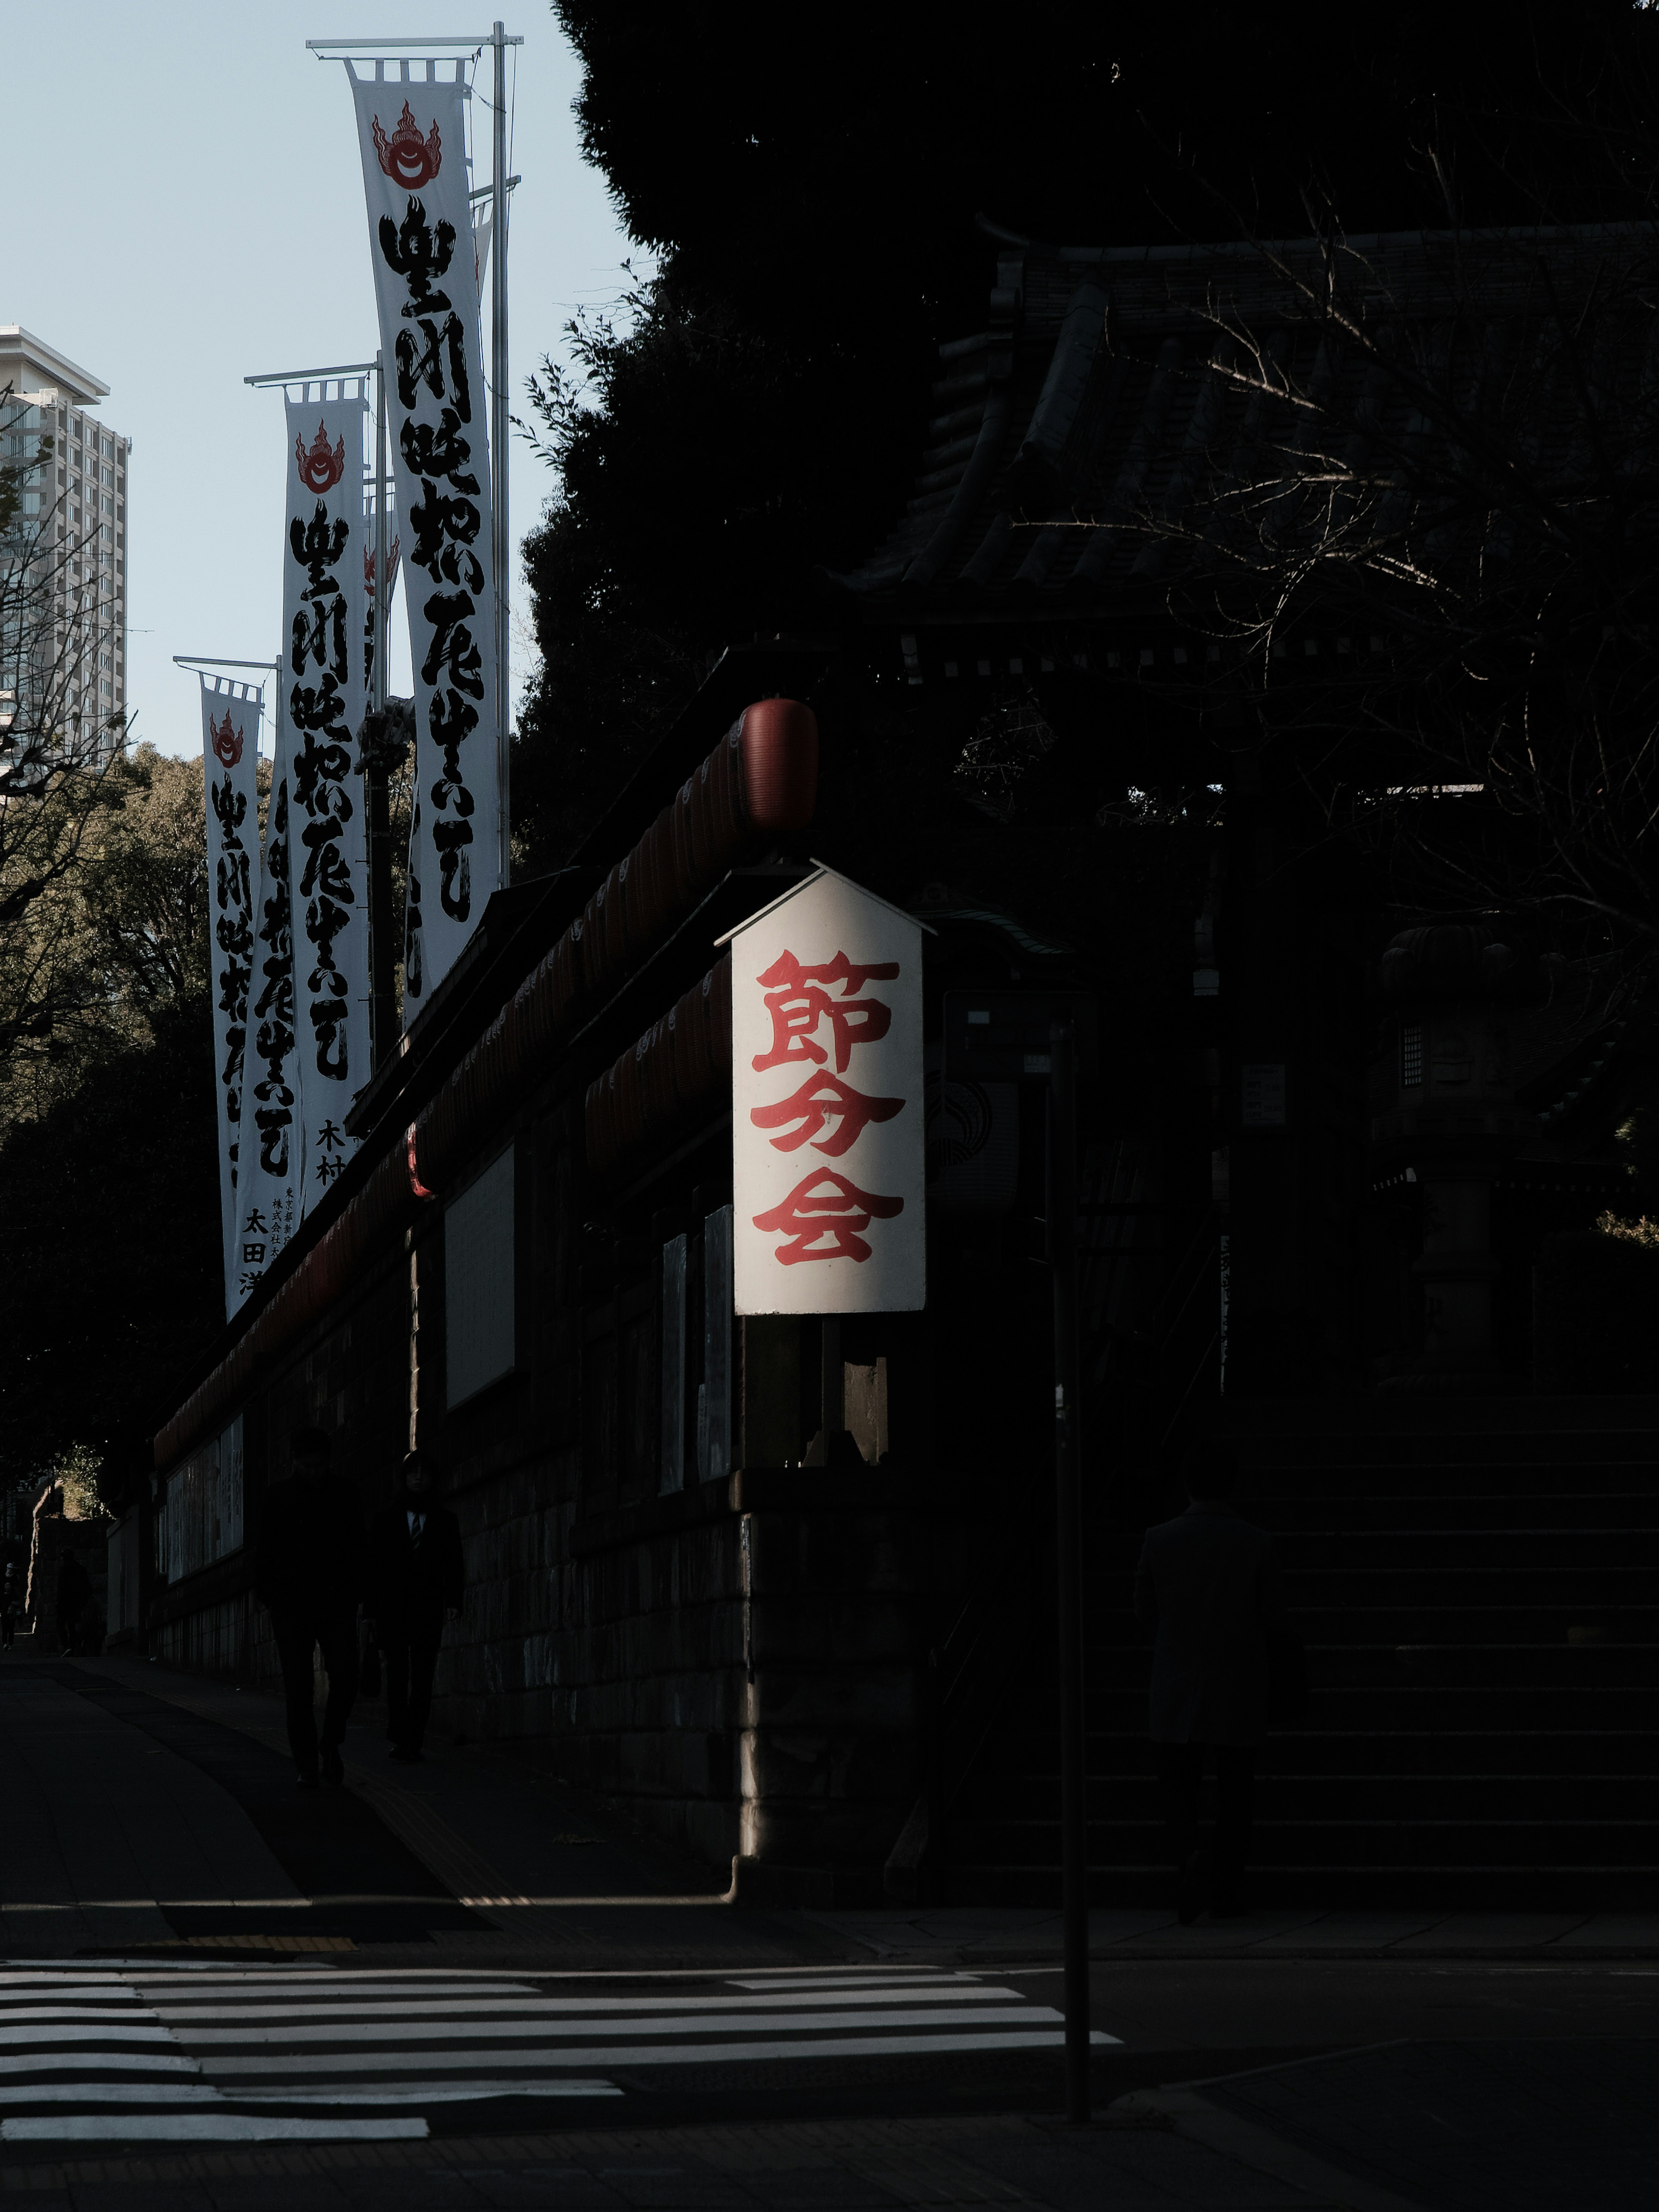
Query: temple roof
[[1088, 412]]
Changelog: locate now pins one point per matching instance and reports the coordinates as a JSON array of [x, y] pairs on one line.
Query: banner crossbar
[[218, 660], [312, 375], [326, 46]]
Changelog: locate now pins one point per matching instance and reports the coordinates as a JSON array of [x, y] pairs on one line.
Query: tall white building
[[76, 500]]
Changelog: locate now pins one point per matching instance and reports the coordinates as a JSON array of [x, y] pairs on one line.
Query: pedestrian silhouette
[[74, 1589], [308, 1569], [11, 1604], [1209, 1580], [416, 1578]]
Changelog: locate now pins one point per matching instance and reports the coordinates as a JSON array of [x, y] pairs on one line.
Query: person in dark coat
[[1210, 1582], [74, 1589], [308, 1569], [415, 1581]]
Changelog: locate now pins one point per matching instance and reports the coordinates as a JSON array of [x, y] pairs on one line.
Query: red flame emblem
[[369, 563], [227, 740], [322, 467], [407, 158]]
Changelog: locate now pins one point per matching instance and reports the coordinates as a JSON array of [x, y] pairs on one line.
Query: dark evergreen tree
[[110, 1272], [809, 184]]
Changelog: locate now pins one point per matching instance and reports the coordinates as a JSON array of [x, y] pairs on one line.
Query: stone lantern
[[1445, 1117]]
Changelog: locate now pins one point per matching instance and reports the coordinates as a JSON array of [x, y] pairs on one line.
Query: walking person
[[415, 1582], [1210, 1582], [74, 1589], [308, 1569], [11, 1604]]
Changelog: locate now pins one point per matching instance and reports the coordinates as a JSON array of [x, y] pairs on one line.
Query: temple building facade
[[783, 1588]]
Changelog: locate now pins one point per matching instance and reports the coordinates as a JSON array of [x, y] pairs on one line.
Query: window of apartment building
[[480, 1332]]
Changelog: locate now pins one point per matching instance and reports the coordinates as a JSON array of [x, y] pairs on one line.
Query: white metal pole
[[498, 437], [377, 684]]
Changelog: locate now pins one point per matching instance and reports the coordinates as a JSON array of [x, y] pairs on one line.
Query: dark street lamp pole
[[1068, 1552], [1011, 1037]]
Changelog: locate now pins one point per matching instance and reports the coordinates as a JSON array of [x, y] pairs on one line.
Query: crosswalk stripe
[[864, 1978], [105, 2062], [659, 2054], [207, 2127], [353, 1983], [17, 2015], [502, 2029], [178, 2014], [97, 2030], [115, 2093], [433, 2093]]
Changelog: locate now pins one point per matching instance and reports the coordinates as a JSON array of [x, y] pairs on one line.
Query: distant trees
[[110, 1258]]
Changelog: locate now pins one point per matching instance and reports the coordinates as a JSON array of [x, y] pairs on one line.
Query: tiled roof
[[1090, 408]]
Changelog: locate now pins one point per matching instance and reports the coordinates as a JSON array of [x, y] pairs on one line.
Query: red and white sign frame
[[828, 1138]]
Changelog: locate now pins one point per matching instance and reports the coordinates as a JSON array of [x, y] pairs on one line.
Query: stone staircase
[[1478, 1585]]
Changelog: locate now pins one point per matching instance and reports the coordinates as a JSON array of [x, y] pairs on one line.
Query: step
[[1347, 1583], [1454, 1664], [1343, 1626], [1312, 1793], [1326, 1551], [1415, 1510], [1024, 1759], [1297, 1888], [1413, 1704], [1332, 1844]]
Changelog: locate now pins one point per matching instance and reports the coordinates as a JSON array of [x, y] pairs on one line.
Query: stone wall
[[739, 1662]]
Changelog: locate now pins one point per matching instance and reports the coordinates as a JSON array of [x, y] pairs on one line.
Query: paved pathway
[[344, 1991], [789, 2166]]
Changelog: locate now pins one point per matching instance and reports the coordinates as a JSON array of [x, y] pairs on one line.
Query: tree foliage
[[1440, 463], [752, 415], [53, 757], [110, 1259], [119, 932]]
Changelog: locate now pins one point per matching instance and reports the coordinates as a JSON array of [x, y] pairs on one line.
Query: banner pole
[[498, 438], [377, 698]]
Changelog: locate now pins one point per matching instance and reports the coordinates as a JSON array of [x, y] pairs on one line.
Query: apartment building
[[74, 511]]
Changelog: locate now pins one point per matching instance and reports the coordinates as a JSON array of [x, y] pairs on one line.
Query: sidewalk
[[473, 1849], [530, 1858], [763, 2166]]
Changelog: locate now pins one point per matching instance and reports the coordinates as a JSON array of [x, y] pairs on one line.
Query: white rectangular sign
[[230, 754], [411, 129], [828, 1140], [323, 619]]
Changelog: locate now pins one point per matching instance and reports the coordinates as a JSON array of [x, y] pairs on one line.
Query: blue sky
[[184, 208]]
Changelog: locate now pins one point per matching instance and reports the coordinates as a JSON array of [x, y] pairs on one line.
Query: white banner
[[271, 1158], [828, 1135], [323, 619], [410, 131], [230, 755]]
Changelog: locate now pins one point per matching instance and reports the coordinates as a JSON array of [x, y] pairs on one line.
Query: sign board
[[827, 1135], [1004, 1037], [1261, 1095]]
